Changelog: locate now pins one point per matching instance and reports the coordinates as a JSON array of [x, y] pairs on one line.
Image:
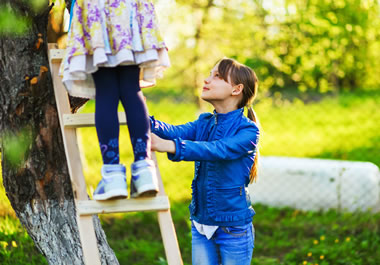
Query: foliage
[[10, 22], [317, 45], [17, 145], [16, 22], [324, 45]]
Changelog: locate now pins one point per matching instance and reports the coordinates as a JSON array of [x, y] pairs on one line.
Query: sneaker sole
[[148, 190], [112, 194]]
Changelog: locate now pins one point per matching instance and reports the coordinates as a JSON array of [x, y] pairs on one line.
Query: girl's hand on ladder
[[161, 145]]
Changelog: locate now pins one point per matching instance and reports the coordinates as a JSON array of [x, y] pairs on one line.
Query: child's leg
[[203, 251], [136, 110], [113, 183], [235, 244], [144, 178], [106, 120]]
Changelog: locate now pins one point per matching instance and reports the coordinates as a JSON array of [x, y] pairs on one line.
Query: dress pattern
[[107, 33]]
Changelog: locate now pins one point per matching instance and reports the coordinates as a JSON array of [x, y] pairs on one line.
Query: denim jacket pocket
[[231, 199]]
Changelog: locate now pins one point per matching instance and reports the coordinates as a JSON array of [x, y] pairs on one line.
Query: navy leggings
[[112, 85]]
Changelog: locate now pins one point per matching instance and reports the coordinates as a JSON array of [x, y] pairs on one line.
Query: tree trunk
[[35, 174], [198, 80]]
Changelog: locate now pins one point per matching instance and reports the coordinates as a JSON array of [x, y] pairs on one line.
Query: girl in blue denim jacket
[[224, 148]]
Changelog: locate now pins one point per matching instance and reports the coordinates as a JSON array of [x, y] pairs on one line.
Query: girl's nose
[[206, 80]]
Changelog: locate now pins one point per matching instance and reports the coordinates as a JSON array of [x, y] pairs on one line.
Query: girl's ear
[[237, 89]]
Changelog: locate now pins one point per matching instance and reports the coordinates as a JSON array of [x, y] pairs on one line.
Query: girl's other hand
[[161, 145]]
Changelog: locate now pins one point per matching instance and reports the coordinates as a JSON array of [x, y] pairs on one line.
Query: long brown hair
[[236, 73]]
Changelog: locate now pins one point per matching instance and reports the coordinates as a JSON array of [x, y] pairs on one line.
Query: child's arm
[[228, 148], [167, 131]]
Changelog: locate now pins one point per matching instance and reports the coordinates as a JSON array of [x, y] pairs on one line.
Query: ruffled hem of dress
[[77, 70]]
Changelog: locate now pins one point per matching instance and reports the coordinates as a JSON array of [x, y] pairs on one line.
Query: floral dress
[[108, 33]]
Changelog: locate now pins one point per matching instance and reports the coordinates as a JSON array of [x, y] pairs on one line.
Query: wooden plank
[[88, 207], [168, 234], [56, 55], [86, 120]]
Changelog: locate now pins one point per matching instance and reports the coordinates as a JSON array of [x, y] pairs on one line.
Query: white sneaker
[[144, 179], [113, 183]]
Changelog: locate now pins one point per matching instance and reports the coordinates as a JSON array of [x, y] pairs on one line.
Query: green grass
[[16, 247], [344, 127], [283, 236]]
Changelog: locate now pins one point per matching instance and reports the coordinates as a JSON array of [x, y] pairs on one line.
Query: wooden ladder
[[85, 207]]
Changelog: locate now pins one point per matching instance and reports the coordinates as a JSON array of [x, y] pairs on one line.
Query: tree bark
[[37, 182]]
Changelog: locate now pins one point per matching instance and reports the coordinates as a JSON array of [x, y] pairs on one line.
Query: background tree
[[34, 168], [318, 46]]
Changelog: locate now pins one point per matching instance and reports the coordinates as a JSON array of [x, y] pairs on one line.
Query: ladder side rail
[[68, 135], [168, 234], [85, 224]]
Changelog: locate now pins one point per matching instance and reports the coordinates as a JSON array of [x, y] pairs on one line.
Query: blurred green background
[[319, 96]]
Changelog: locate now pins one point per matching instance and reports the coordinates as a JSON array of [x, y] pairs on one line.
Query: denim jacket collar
[[227, 117]]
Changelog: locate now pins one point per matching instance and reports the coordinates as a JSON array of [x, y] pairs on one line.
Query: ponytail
[[254, 169]]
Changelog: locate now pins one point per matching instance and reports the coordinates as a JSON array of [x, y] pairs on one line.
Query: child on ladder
[[224, 148], [115, 46]]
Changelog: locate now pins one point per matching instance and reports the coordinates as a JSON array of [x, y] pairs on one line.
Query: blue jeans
[[231, 245]]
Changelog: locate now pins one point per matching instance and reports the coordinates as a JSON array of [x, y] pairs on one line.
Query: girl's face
[[215, 89]]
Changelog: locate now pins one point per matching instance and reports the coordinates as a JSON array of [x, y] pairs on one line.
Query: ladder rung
[[56, 55], [89, 207], [86, 120]]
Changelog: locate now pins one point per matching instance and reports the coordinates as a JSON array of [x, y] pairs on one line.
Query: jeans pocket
[[235, 231]]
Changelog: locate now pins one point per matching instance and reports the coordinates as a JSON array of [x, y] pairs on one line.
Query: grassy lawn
[[344, 127]]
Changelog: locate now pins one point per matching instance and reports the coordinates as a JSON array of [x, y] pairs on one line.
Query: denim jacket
[[222, 164]]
